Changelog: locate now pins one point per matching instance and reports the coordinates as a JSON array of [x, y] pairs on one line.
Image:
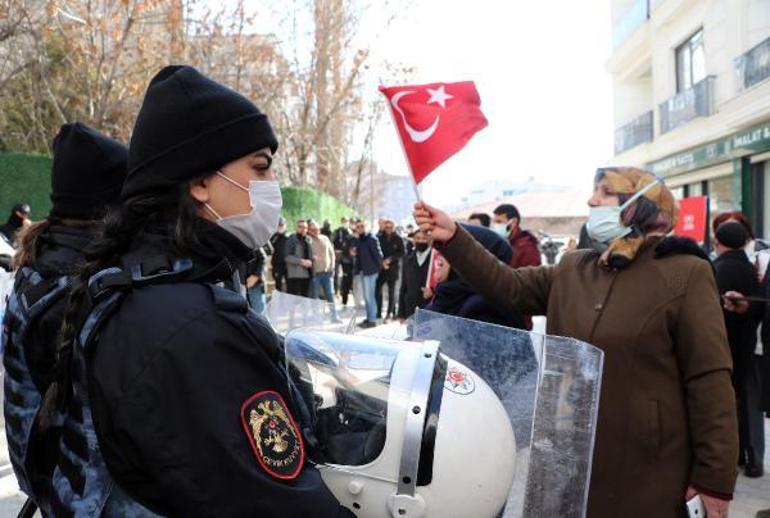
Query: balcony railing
[[636, 15], [753, 67], [636, 132], [697, 101]]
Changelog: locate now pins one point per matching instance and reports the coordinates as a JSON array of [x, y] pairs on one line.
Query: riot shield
[[286, 312], [549, 387]]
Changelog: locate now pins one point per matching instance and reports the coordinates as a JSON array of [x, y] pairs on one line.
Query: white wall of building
[[644, 71]]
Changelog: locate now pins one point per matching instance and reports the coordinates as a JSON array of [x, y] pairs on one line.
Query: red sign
[[434, 121], [692, 218]]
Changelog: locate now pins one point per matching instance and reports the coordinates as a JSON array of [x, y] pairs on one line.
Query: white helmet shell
[[473, 454]]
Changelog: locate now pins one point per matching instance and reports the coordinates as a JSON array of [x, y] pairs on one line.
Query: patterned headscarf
[[656, 211]]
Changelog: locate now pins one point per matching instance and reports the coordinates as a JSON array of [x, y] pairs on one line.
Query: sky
[[539, 68]]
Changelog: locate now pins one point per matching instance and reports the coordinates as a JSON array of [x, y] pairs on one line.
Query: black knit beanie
[[189, 125], [732, 235], [88, 172]]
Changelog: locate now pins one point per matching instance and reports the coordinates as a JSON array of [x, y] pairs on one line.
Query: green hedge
[[304, 203], [27, 179]]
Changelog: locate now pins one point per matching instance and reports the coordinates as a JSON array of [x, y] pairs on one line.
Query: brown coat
[[667, 413]]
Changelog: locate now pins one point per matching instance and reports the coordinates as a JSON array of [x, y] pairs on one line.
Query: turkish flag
[[434, 121], [692, 218]]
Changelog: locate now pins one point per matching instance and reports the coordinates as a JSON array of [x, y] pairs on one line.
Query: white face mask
[[604, 223], [501, 229], [255, 228]]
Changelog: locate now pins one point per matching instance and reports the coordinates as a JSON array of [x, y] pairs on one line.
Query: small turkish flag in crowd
[[434, 121]]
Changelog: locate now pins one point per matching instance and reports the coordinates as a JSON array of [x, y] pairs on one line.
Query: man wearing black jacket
[[413, 277], [735, 273], [278, 259], [339, 238], [393, 250]]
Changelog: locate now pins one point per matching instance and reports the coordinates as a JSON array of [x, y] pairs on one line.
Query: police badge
[[273, 435], [459, 380]]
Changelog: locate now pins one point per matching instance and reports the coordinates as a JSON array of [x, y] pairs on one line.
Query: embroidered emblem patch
[[273, 434], [459, 381]]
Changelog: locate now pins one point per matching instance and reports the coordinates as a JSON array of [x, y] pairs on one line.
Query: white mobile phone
[[695, 507]]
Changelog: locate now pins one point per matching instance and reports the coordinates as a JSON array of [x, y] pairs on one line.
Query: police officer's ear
[[200, 188]]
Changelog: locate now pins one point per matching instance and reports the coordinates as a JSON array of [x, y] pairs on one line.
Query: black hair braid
[[173, 209]]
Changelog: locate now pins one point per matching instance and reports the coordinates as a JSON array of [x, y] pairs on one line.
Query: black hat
[[88, 172], [732, 235], [189, 125]]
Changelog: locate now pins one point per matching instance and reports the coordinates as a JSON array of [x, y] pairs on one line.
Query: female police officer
[[181, 383], [88, 172]]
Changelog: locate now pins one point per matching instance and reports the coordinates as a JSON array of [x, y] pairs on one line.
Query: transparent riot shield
[[286, 312], [549, 387]]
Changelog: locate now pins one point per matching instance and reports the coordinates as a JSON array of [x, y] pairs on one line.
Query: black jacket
[[368, 255], [341, 236], [392, 247], [413, 277], [734, 272], [278, 260], [456, 297], [174, 370]]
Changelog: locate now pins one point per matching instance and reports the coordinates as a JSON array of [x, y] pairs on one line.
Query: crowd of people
[[387, 272]]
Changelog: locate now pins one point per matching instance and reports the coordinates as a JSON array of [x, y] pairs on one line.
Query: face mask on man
[[604, 223], [501, 229], [255, 228]]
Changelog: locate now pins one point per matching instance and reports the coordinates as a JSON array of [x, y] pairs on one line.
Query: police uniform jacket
[[191, 404]]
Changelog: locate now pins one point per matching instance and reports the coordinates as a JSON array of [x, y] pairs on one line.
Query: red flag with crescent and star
[[434, 121]]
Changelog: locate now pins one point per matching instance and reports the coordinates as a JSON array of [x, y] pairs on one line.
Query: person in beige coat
[[667, 427]]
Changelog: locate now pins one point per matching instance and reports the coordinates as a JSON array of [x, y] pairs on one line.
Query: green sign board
[[743, 143]]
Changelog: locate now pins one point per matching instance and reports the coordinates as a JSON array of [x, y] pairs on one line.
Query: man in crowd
[[278, 260], [507, 223], [413, 292], [299, 261], [255, 279], [480, 219], [339, 238], [18, 219], [735, 274], [323, 265], [369, 257], [392, 247]]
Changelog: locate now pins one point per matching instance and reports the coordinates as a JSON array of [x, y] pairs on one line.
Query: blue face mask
[[604, 223]]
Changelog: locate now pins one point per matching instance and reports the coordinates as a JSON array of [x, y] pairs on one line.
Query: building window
[[690, 62]]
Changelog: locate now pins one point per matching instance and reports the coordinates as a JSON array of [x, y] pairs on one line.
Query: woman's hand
[[427, 293], [715, 507], [435, 222], [735, 302]]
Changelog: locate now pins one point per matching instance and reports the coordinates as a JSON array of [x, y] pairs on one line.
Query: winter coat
[[456, 297], [298, 248], [667, 416], [178, 374], [734, 272], [413, 277], [369, 254], [525, 250], [278, 260]]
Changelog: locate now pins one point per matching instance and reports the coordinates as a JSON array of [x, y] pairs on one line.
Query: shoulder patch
[[273, 435]]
